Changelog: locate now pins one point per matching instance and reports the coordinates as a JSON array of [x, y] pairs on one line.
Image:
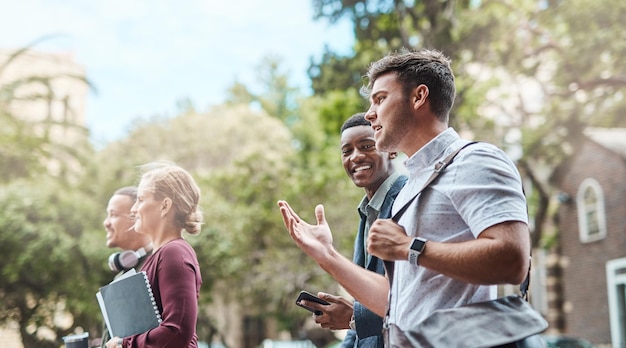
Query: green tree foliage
[[392, 24], [315, 176], [50, 268], [336, 72], [322, 178], [34, 143], [20, 149], [50, 260], [553, 69], [275, 94], [382, 26]]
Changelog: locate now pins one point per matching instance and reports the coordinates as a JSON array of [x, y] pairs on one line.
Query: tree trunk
[[554, 290]]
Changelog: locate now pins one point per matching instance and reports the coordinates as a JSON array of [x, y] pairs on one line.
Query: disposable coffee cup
[[77, 341]]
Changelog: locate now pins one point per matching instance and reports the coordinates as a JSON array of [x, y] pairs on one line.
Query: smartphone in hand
[[307, 296]]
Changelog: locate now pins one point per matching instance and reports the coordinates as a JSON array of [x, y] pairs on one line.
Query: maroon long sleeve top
[[174, 275]]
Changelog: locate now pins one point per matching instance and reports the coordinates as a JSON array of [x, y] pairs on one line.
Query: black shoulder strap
[[439, 167]]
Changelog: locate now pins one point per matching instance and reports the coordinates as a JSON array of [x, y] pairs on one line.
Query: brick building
[[592, 225]]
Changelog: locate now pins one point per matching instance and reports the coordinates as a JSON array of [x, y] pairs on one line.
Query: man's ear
[[420, 95]]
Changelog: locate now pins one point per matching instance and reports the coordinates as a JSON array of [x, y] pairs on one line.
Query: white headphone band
[[128, 259]]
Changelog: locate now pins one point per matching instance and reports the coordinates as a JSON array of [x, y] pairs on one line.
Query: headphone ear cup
[[123, 261], [114, 262]]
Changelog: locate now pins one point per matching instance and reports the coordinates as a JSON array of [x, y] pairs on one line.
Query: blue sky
[[143, 56]]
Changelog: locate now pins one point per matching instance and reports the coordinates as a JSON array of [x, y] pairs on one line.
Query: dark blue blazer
[[369, 326]]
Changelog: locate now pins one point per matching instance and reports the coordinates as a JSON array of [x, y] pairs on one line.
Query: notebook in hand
[[128, 305]]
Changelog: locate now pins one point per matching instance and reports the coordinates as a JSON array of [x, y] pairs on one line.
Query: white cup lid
[[75, 338]]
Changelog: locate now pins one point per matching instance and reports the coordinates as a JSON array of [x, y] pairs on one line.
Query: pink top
[[174, 276]]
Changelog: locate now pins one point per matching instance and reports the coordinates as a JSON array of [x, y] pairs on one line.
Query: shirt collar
[[432, 151], [379, 196]]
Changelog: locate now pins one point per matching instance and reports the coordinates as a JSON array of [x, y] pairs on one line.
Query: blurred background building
[[49, 93], [589, 272]]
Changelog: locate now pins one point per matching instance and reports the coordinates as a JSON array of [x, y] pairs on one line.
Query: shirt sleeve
[[348, 341], [487, 188]]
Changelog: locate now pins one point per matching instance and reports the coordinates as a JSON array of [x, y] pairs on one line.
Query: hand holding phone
[[307, 296]]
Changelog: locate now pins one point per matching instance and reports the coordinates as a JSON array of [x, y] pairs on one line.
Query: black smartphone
[[307, 296]]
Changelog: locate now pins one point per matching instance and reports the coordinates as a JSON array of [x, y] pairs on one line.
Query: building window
[[591, 217], [616, 284]]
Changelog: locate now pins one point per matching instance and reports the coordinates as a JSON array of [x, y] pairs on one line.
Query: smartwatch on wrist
[[415, 249]]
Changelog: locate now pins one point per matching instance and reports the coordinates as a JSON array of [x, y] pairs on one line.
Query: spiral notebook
[[127, 305]]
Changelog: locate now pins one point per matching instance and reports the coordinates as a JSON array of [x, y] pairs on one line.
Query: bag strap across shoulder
[[439, 167]]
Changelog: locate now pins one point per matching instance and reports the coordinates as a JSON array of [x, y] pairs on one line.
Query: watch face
[[418, 244]]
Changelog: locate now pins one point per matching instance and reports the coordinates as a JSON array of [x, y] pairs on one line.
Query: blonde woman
[[167, 204]]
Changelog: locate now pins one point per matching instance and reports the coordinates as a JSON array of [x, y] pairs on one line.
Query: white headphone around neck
[[127, 259]]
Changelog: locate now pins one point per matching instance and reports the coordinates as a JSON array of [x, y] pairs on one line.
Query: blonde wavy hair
[[168, 180]]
